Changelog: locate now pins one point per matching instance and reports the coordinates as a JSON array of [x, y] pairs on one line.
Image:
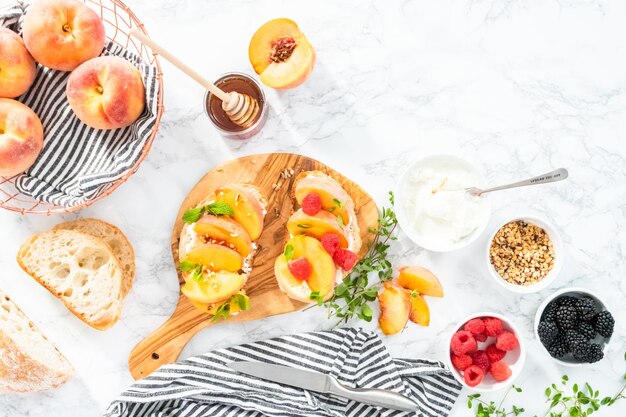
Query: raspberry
[[507, 341], [330, 243], [473, 375], [461, 362], [475, 326], [312, 204], [480, 337], [463, 342], [500, 371], [300, 268], [494, 354], [345, 259], [493, 326], [481, 359]]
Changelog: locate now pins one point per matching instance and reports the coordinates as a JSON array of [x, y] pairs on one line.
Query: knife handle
[[373, 396]]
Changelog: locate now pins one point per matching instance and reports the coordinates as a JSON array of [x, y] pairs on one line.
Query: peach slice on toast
[[213, 287], [317, 226], [281, 54], [224, 229], [395, 307], [334, 197], [421, 280], [248, 206], [215, 257], [322, 278]]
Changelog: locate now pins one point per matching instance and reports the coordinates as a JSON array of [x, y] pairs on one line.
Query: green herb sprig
[[352, 297], [194, 268], [562, 400], [223, 311], [217, 208]]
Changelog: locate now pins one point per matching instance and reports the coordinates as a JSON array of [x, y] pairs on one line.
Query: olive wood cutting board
[[267, 172]]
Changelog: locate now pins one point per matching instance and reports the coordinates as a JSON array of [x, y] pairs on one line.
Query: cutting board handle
[[165, 344]]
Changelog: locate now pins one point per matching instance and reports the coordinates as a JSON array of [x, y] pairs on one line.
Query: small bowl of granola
[[524, 254]]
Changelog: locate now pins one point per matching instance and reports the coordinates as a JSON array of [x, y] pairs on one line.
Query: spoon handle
[[552, 176]]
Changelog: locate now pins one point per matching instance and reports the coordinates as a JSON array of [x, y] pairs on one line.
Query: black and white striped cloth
[[205, 386], [78, 162]]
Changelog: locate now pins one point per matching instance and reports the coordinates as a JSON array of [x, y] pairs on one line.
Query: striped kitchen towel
[[204, 386], [78, 162]]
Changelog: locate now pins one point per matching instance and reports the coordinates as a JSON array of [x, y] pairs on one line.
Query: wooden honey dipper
[[240, 108]]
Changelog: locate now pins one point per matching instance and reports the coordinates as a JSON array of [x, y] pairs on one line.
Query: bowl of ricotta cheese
[[432, 207]]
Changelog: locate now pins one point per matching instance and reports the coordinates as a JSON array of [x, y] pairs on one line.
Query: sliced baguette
[[28, 361], [114, 237], [80, 269]]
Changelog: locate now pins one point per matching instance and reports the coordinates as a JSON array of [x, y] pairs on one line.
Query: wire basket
[[118, 19]]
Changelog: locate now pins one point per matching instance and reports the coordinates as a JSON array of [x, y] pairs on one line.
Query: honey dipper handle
[[180, 64]]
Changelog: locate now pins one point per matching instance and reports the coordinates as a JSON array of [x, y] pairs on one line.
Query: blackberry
[[548, 331], [586, 330], [573, 339], [558, 349], [566, 317], [587, 308], [588, 352], [567, 300], [549, 313], [604, 324]]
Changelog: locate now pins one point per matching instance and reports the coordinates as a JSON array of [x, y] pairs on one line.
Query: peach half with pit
[[246, 205], [281, 54], [323, 273], [224, 229], [421, 280], [395, 308], [213, 287], [215, 257], [317, 226]]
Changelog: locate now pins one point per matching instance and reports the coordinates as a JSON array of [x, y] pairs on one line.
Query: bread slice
[[114, 237], [79, 269], [28, 361]]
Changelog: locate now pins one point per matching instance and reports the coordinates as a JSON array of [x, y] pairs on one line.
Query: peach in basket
[[17, 67], [106, 92], [21, 137]]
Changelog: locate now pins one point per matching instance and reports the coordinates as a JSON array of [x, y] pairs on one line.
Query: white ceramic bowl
[[514, 358], [568, 360], [559, 255], [404, 222]]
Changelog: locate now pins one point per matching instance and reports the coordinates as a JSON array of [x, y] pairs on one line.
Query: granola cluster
[[522, 253]]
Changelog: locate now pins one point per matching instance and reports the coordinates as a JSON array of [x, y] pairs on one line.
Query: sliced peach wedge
[[395, 307], [420, 313], [213, 287], [323, 272], [421, 280], [281, 54], [317, 226], [215, 257], [334, 197], [247, 205], [212, 308], [226, 230]]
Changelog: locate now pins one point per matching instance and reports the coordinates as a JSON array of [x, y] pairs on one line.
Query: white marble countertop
[[518, 87]]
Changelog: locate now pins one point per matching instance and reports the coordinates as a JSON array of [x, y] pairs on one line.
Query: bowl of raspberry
[[574, 327], [486, 352]]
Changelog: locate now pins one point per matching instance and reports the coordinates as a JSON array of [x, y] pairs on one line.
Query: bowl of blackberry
[[574, 326]]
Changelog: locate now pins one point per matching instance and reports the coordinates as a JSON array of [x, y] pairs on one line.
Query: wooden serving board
[[266, 171]]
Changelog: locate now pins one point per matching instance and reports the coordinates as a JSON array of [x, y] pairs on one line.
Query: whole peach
[[17, 67], [62, 34], [106, 92], [21, 137]]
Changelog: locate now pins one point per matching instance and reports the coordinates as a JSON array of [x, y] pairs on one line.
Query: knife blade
[[326, 384]]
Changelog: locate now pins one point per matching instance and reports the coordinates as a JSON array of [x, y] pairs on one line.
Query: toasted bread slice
[[114, 237], [80, 269], [28, 361]]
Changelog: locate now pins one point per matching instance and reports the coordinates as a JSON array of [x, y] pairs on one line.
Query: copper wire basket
[[118, 19]]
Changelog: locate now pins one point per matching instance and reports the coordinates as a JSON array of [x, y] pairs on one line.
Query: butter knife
[[326, 384]]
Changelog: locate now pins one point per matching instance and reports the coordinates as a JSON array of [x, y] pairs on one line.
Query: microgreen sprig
[[217, 208]]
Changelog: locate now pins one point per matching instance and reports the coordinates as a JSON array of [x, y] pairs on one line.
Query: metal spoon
[[552, 176]]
